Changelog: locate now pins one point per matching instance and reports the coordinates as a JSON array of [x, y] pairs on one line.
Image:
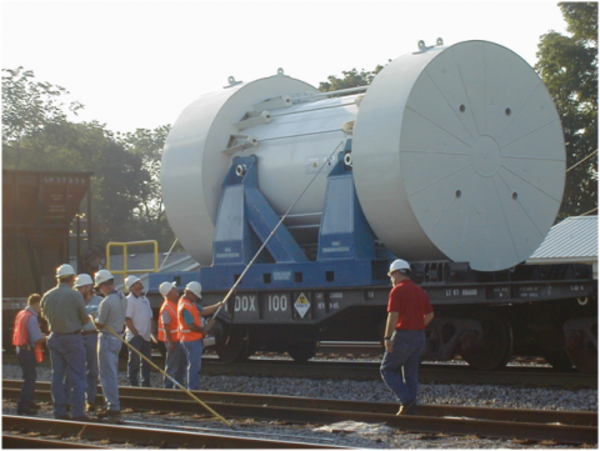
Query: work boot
[[102, 413], [408, 409], [107, 412], [114, 417]]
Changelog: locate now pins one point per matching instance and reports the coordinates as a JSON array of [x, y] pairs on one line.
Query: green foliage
[[582, 20], [29, 106], [568, 66], [149, 215], [351, 79]]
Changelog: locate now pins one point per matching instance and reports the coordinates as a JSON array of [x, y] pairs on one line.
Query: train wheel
[[232, 345], [494, 347], [581, 335], [558, 358], [302, 351]]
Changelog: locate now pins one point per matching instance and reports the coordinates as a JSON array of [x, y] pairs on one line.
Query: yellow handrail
[[126, 246]]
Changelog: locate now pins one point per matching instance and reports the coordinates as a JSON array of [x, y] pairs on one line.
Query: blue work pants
[[90, 343], [400, 368], [175, 365], [193, 352], [68, 358], [109, 347], [136, 363], [28, 367]]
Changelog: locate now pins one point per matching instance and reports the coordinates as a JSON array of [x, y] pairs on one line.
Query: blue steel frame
[[347, 256]]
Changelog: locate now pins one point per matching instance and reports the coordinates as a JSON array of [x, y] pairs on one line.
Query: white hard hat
[[65, 270], [82, 280], [165, 287], [399, 265], [102, 276], [195, 288], [130, 280]]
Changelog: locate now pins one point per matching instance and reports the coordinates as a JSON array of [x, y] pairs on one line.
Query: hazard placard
[[302, 305]]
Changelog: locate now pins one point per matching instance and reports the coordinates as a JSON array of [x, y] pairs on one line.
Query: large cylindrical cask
[[457, 153]]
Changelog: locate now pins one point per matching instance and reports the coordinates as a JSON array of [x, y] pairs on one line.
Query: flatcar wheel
[[494, 349], [233, 343], [558, 358], [581, 335], [302, 351]]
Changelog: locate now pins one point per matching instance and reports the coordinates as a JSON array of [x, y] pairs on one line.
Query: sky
[[139, 64]]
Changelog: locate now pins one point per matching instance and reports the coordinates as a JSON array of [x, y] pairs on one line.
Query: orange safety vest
[[174, 326], [184, 332], [20, 337]]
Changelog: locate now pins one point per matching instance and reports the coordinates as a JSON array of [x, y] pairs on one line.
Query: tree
[[568, 65], [351, 79], [29, 106], [150, 212]]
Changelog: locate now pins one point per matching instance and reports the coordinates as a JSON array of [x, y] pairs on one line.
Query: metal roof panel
[[575, 240]]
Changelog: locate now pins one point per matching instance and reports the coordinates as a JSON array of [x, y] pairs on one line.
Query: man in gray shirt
[[111, 313], [64, 309]]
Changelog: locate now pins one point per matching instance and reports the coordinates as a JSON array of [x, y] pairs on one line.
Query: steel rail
[[145, 436], [429, 419], [520, 415], [369, 370], [428, 373], [158, 395], [352, 407], [24, 442]]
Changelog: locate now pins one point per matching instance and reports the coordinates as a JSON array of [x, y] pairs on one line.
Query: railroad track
[[428, 373], [525, 425], [12, 440], [108, 434], [361, 370]]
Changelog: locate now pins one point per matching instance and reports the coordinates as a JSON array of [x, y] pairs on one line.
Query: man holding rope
[[111, 313], [189, 313]]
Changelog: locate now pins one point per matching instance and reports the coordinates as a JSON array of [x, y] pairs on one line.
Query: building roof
[[574, 240]]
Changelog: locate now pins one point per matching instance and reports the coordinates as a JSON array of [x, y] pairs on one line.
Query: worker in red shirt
[[409, 312], [28, 338]]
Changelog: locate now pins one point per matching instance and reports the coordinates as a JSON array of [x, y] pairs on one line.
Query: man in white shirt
[[140, 326]]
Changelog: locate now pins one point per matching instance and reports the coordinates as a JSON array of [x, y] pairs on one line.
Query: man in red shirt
[[409, 311]]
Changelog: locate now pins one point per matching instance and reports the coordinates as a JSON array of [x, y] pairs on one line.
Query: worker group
[[87, 332]]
